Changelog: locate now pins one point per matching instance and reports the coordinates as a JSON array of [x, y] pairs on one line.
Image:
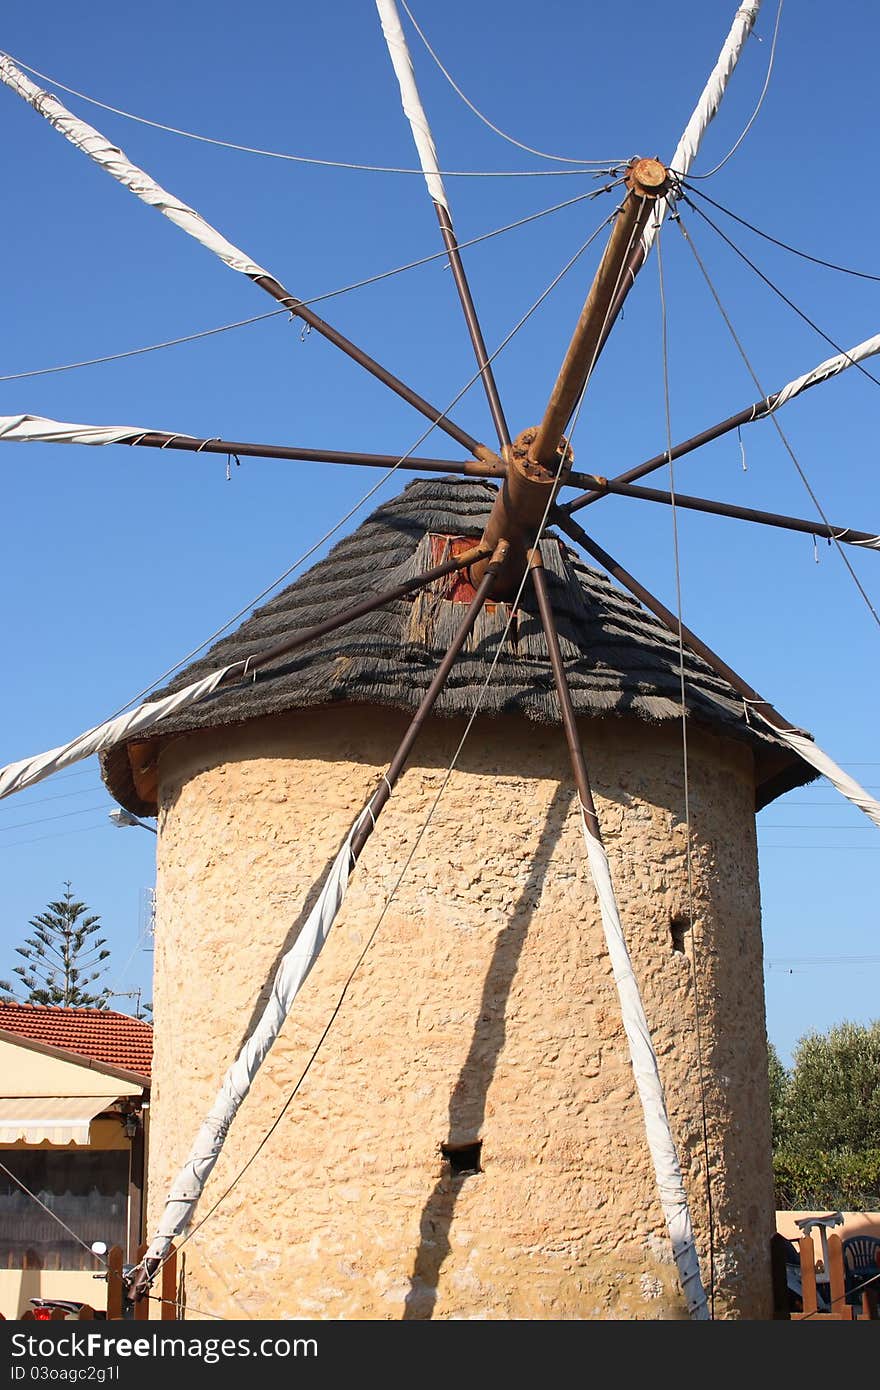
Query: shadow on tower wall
[[467, 1104]]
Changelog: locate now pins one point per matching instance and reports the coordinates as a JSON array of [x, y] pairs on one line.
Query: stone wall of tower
[[483, 1010]]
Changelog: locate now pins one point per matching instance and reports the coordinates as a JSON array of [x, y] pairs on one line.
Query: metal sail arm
[[398, 51], [36, 429], [753, 703], [759, 410], [646, 1071], [114, 162], [867, 539]]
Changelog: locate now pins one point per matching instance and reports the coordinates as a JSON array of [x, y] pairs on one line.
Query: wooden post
[[169, 1286], [86, 1313], [114, 1282], [840, 1310], [136, 1187], [839, 1307], [58, 1315], [808, 1277], [142, 1306], [779, 1277]]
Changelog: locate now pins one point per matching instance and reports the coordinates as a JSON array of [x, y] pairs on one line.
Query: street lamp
[[121, 817]]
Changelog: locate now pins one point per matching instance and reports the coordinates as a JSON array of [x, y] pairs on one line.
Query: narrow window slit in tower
[[463, 1159], [678, 926]]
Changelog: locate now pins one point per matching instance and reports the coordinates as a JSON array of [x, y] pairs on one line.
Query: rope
[[664, 339], [754, 116], [426, 823], [530, 149], [306, 159], [784, 245], [777, 291], [136, 352], [772, 415], [367, 495], [317, 299]]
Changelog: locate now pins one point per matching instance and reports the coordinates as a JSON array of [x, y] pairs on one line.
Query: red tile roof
[[105, 1036]]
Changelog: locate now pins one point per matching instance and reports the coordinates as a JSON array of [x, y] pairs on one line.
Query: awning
[[58, 1119]]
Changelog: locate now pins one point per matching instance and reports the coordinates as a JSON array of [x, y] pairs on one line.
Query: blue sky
[[117, 562]]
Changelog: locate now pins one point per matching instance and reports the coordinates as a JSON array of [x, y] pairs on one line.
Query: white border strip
[[832, 366], [117, 164], [37, 429], [661, 1144], [706, 108], [16, 776], [806, 749], [409, 95]]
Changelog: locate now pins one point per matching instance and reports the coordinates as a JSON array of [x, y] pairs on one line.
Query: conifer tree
[[63, 958]]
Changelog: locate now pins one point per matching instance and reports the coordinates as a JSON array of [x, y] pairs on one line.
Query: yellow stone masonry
[[484, 1010]]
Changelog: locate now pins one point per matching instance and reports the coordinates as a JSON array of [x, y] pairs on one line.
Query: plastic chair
[[861, 1259]]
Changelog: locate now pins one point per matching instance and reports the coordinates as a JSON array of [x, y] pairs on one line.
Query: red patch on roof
[[105, 1036]]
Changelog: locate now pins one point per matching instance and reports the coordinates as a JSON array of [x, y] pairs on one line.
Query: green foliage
[[63, 958], [779, 1085], [827, 1182], [825, 1116], [833, 1097]]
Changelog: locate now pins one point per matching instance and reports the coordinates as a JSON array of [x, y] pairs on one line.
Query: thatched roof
[[619, 659]]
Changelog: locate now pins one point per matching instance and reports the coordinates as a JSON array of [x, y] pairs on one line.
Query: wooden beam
[[646, 180]]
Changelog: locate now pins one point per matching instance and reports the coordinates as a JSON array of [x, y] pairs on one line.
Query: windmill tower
[[469, 1140], [474, 1133]]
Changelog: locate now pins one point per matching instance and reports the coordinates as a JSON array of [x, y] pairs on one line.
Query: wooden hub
[[647, 177], [518, 511]]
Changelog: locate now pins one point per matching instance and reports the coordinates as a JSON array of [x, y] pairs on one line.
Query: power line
[[822, 960], [775, 825], [58, 796], [56, 835], [44, 820], [307, 159]]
